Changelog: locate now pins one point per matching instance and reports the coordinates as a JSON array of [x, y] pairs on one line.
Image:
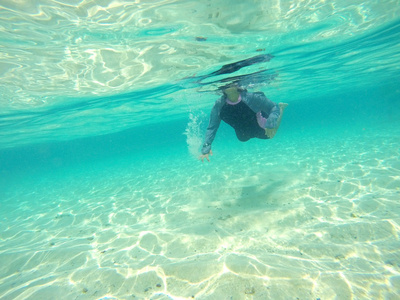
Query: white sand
[[320, 220]]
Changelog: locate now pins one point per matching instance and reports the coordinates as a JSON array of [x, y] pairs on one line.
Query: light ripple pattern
[[52, 50], [319, 221]]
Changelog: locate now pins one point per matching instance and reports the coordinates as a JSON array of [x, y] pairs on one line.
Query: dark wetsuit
[[243, 120], [242, 116]]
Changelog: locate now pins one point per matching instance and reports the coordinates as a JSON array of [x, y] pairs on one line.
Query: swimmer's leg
[[271, 132]]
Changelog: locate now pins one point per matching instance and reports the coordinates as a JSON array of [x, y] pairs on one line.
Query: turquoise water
[[101, 119]]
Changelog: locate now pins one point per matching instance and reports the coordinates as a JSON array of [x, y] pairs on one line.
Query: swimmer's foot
[[271, 132], [282, 106]]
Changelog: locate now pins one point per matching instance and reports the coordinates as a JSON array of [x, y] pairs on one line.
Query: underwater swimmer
[[251, 115]]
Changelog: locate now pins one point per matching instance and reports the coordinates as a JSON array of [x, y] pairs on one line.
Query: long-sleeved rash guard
[[254, 113]]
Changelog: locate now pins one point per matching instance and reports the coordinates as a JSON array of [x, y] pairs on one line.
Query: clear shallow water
[[69, 66], [101, 195]]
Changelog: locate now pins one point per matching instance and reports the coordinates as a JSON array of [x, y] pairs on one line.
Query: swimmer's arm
[[272, 120], [263, 104], [215, 121], [270, 132]]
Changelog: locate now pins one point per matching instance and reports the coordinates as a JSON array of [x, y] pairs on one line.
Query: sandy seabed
[[318, 218]]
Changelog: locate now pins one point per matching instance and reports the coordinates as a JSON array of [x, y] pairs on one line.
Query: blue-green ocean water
[[101, 192]]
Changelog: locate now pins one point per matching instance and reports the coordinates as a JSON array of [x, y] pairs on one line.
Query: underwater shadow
[[261, 196]]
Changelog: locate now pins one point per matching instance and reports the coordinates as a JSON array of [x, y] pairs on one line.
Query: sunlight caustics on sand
[[317, 222]]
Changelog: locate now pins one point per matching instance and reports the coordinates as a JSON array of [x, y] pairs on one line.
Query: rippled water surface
[[68, 65]]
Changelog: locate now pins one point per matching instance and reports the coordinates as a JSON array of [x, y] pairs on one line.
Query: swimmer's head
[[231, 86], [232, 91]]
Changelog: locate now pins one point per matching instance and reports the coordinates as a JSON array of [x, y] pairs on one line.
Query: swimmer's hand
[[205, 156], [270, 132]]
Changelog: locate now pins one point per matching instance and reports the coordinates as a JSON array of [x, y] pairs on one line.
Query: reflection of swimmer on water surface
[[251, 115], [233, 67]]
